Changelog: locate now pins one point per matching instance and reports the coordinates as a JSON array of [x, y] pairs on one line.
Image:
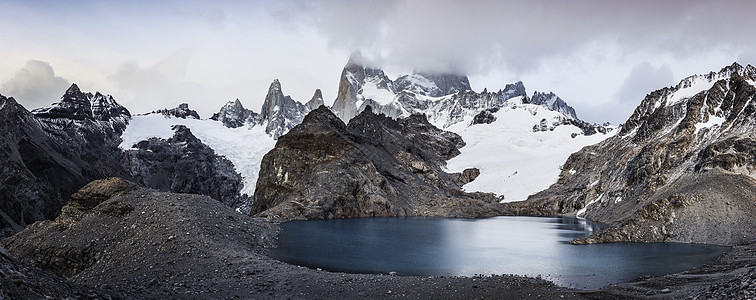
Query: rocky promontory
[[680, 170], [374, 166]]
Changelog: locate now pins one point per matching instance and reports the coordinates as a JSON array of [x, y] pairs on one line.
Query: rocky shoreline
[[117, 240]]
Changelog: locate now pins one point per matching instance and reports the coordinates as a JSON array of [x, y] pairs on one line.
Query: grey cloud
[[149, 88], [475, 35], [643, 79], [35, 85]]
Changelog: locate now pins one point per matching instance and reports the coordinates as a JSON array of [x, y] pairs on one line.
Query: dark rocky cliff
[[51, 152], [375, 166], [680, 170]]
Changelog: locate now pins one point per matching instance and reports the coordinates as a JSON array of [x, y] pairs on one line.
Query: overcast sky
[[601, 57]]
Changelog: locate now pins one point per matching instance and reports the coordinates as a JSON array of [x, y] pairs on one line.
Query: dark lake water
[[466, 247]]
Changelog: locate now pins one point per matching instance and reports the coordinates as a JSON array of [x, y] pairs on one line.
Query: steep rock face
[[281, 112], [316, 100], [234, 115], [51, 152], [448, 83], [183, 164], [687, 142], [553, 102], [375, 166], [181, 111], [512, 90], [359, 84], [445, 98]]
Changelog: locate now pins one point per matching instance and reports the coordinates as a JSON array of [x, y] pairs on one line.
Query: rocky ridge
[[680, 170], [374, 166], [279, 113], [49, 153], [445, 98], [181, 111]]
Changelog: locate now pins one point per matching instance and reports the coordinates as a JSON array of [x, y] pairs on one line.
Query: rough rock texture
[[446, 99], [354, 76], [485, 117], [182, 111], [316, 100], [281, 112], [50, 153], [375, 166], [234, 115], [681, 169], [553, 102], [183, 164], [432, 84], [21, 282]]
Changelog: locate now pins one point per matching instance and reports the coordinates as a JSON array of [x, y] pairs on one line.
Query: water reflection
[[503, 245]]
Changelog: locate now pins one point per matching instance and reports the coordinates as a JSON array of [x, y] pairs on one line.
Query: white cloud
[[35, 85]]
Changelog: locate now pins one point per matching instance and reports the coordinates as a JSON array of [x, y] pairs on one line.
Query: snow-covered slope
[[243, 146], [514, 161]]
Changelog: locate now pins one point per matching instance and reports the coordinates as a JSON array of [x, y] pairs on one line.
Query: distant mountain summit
[[77, 105], [234, 115], [279, 113], [182, 111], [553, 102], [445, 98]]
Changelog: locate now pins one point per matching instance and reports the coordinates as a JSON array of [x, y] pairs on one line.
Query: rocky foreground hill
[[681, 169]]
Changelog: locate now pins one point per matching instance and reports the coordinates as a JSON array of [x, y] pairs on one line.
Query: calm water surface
[[465, 247]]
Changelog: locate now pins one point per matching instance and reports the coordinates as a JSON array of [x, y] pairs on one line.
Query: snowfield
[[514, 161], [243, 146]]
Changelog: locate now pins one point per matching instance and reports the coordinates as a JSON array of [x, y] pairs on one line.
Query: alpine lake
[[531, 246]]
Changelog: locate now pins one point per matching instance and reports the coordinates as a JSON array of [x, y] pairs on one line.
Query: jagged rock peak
[[72, 90], [697, 99], [448, 83], [234, 115], [181, 111], [553, 102], [512, 90], [76, 105], [280, 112], [273, 100], [316, 100]]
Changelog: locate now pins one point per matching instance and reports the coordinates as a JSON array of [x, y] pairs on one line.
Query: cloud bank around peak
[[472, 36], [35, 85]]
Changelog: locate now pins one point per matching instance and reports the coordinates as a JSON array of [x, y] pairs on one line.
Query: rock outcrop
[[279, 113], [182, 111], [234, 115], [553, 102], [51, 152], [680, 170], [374, 166], [183, 164]]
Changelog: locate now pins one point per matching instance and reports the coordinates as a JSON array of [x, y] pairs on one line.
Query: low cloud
[[35, 85], [643, 79], [521, 36]]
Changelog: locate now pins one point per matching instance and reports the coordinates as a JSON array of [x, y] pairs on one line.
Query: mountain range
[[680, 169]]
